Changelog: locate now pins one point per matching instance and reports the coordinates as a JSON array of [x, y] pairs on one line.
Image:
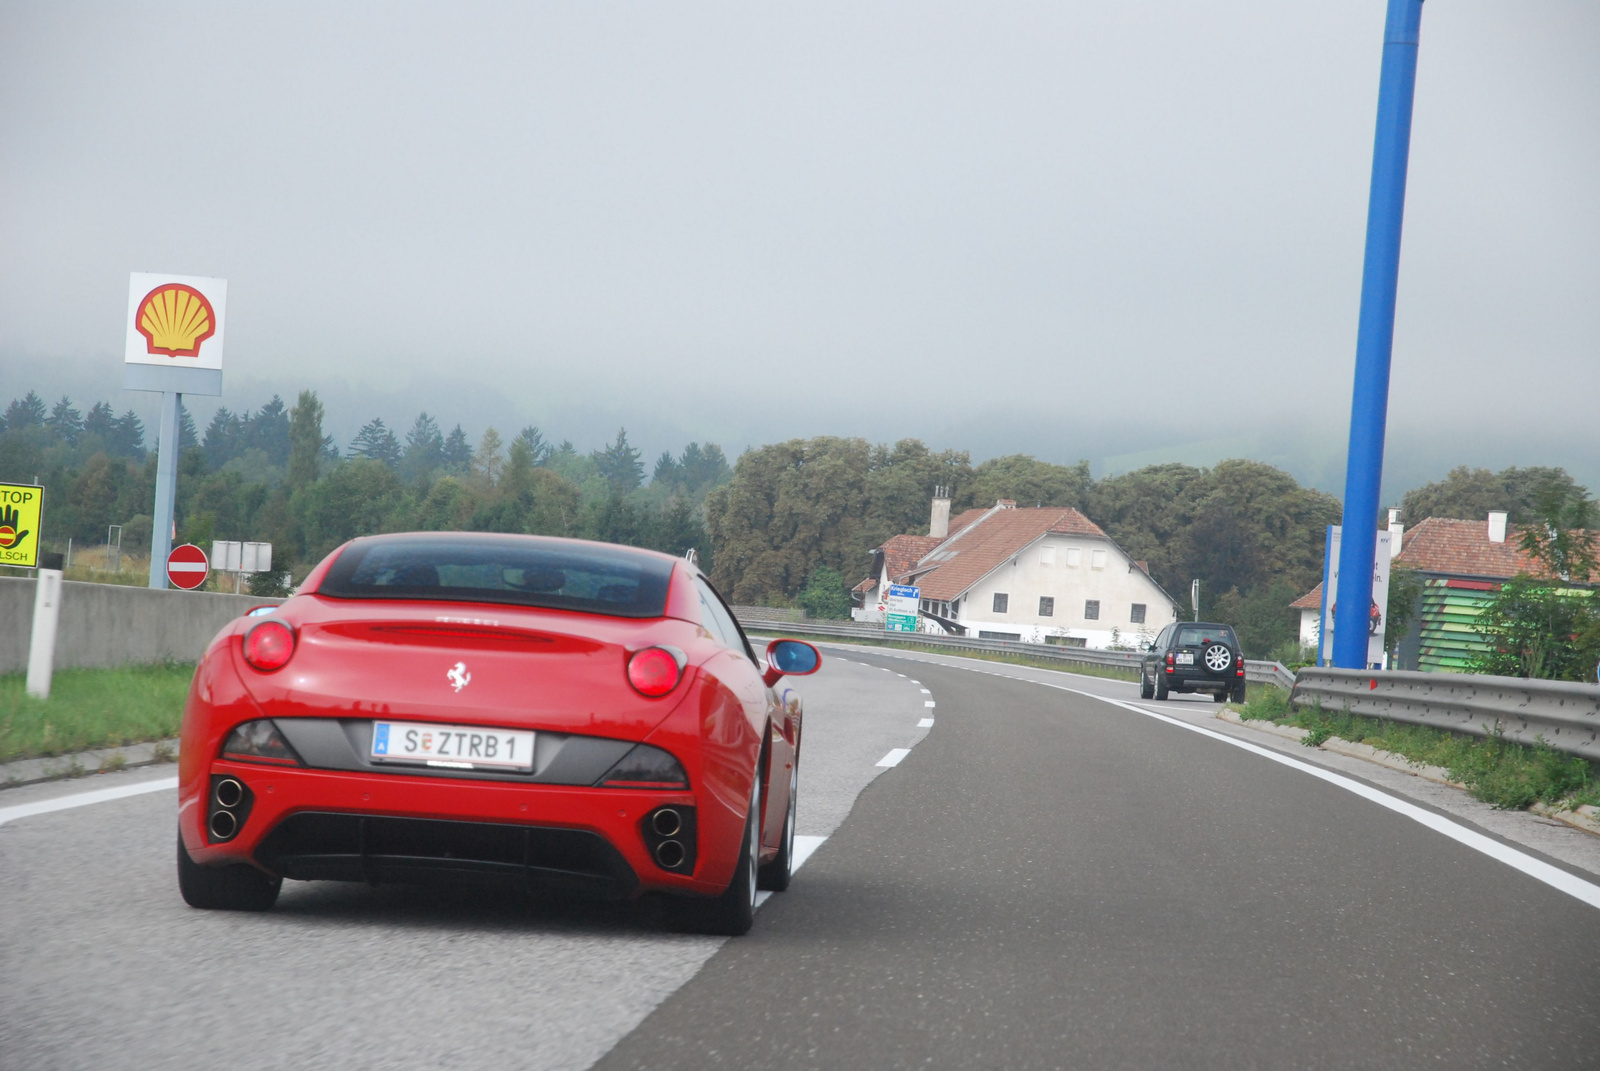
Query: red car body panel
[[531, 668]]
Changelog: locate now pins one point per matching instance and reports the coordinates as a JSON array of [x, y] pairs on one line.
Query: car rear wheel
[[733, 913], [1161, 688], [1238, 692], [225, 888], [1147, 690], [1220, 696], [777, 874]]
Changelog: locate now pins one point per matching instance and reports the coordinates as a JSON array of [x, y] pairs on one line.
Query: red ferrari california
[[466, 706]]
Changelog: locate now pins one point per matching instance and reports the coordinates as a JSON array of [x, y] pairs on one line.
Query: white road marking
[[1537, 869], [803, 847], [928, 703], [926, 692], [925, 723], [83, 799], [894, 757]]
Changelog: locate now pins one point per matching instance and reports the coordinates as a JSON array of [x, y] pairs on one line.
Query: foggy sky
[[1002, 227]]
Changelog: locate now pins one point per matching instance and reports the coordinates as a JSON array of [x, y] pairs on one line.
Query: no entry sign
[[187, 566]]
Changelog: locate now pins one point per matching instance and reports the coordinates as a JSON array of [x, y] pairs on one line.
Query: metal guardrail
[[1268, 672], [1566, 715]]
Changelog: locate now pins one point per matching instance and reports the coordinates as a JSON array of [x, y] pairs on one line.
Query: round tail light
[[268, 645], [654, 671]]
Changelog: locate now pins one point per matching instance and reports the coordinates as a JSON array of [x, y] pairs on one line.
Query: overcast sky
[[1068, 229]]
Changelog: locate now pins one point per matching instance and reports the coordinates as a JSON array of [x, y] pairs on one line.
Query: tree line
[[274, 475]]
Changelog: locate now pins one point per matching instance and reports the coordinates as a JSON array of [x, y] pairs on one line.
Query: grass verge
[[92, 708], [1500, 772], [1084, 668]]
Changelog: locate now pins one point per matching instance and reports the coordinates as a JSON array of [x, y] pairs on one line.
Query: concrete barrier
[[108, 625]]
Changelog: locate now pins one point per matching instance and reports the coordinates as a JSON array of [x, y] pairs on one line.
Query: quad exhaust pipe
[[223, 825], [229, 793]]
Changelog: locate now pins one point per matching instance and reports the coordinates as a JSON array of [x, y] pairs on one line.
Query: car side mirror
[[790, 658], [1152, 647]]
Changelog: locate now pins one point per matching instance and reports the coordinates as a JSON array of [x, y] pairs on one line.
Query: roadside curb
[[87, 763], [1586, 818]]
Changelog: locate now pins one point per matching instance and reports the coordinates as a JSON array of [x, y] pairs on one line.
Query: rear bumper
[[340, 825]]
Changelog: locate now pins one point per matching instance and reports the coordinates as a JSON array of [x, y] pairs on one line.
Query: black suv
[[1194, 656]]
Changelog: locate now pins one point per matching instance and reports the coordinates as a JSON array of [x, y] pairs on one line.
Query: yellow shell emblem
[[175, 319]]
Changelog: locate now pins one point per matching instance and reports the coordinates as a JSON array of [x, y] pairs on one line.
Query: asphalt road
[[1051, 881], [1044, 880], [103, 966]]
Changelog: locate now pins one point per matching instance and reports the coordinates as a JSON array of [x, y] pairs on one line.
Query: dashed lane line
[[894, 757], [925, 723]]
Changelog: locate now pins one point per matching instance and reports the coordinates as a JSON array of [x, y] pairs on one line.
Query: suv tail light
[[269, 645], [655, 671]]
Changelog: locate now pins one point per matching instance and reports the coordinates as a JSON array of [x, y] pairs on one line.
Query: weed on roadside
[[92, 708], [1500, 772]]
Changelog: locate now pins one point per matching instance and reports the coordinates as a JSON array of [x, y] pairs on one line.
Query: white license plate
[[452, 747], [1185, 658]]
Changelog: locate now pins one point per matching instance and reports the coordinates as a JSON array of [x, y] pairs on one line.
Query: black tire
[[1238, 692], [734, 912], [777, 874], [1161, 688], [1146, 689], [1220, 696], [225, 888]]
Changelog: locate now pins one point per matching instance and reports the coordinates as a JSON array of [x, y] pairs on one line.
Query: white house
[[1042, 575]]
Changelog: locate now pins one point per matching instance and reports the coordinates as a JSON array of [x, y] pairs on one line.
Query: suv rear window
[[1196, 635], [512, 570]]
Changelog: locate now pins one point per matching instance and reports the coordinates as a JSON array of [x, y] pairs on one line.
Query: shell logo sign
[[175, 320]]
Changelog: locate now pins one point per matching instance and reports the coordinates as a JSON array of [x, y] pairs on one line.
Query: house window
[[1047, 606], [1074, 555], [1136, 615], [1001, 600], [999, 635], [1098, 560], [1091, 610], [1047, 555]]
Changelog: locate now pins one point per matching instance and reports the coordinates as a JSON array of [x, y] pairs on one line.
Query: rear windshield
[[513, 570], [1196, 635]]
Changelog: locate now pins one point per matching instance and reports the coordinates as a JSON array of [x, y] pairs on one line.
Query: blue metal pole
[[166, 489], [1375, 336]]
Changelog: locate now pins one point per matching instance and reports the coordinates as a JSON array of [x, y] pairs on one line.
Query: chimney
[[1397, 533], [1005, 503], [1497, 526], [939, 521]]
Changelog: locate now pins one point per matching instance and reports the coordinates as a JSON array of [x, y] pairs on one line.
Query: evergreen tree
[[306, 441], [221, 442], [424, 452], [65, 422], [538, 450], [667, 473], [25, 412], [100, 424], [127, 436], [377, 442], [457, 458], [619, 463], [188, 438], [268, 431]]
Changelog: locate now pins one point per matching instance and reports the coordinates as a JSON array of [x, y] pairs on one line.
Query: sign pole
[[166, 489], [1380, 276]]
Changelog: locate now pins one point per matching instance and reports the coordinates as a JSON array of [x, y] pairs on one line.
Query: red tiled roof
[[904, 551], [1311, 600], [1462, 548], [983, 543]]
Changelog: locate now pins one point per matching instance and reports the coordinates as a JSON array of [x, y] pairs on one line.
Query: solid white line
[[83, 799], [894, 757], [925, 723]]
